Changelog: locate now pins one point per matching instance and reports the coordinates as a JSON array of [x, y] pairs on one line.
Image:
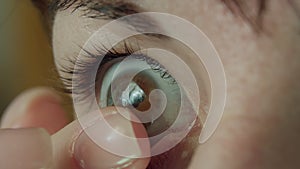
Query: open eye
[[139, 92], [152, 86], [144, 86]]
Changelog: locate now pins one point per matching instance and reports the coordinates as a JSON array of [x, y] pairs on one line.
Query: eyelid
[[91, 61]]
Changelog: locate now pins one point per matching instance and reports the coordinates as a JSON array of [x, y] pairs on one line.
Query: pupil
[[133, 95]]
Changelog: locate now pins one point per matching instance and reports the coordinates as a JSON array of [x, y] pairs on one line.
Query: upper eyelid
[[102, 55]]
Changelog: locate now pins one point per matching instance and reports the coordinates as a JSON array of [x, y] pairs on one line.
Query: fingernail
[[106, 147], [25, 148]]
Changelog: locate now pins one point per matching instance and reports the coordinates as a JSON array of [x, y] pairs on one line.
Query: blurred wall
[[25, 54]]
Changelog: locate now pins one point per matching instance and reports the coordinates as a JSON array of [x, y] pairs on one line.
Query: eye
[[129, 77], [136, 93]]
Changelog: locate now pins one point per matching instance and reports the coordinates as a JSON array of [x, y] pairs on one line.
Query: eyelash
[[86, 65]]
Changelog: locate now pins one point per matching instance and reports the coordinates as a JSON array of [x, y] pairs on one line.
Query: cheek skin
[[260, 127]]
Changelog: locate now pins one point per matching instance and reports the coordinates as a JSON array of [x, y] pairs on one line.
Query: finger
[[25, 148], [39, 107], [74, 149]]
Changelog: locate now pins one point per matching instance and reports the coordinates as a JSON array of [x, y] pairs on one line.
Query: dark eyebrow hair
[[100, 9], [111, 9], [104, 9], [114, 9]]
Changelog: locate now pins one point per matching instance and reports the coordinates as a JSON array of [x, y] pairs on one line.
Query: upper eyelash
[[86, 65], [157, 67]]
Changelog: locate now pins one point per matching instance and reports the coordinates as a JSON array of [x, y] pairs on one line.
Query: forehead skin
[[262, 74]]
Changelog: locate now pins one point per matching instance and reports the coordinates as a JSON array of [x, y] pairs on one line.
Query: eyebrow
[[98, 9], [114, 9], [110, 9]]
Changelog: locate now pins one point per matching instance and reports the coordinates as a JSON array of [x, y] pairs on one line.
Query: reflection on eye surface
[[133, 95]]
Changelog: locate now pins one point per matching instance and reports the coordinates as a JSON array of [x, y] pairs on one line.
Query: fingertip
[[75, 148], [38, 107], [105, 143]]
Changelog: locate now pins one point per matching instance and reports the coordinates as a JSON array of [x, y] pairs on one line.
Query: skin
[[260, 127]]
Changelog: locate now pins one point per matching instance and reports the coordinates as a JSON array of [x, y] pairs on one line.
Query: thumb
[[74, 148]]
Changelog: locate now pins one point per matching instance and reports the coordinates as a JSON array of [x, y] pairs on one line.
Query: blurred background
[[25, 53]]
